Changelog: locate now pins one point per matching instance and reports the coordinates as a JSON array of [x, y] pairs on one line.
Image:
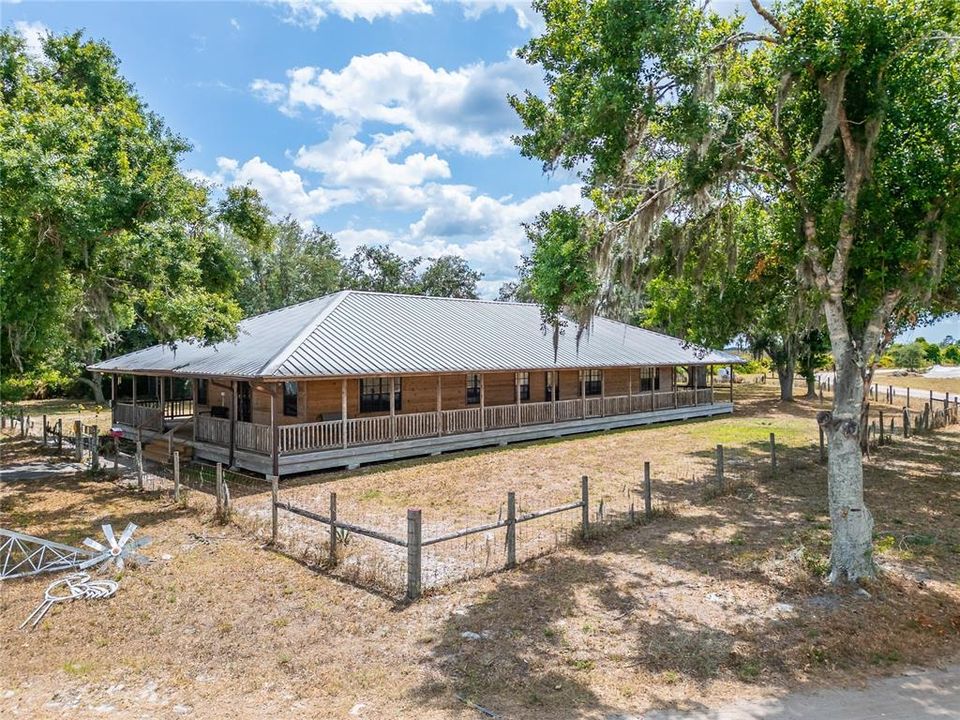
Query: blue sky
[[381, 121]]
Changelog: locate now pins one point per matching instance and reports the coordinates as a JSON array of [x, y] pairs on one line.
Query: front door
[[244, 402]]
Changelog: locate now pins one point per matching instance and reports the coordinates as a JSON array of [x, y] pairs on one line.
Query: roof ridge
[[278, 358], [443, 297]]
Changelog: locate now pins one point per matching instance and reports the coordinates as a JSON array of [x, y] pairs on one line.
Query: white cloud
[[345, 161], [33, 34], [234, 23], [527, 17], [283, 190], [464, 109], [310, 13]]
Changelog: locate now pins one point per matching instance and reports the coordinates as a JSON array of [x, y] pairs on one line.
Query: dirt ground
[[917, 382], [722, 599]]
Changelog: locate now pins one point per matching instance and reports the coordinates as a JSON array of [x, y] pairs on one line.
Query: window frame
[[549, 385], [291, 400], [522, 384], [473, 389], [379, 401], [591, 381], [244, 401], [203, 391]]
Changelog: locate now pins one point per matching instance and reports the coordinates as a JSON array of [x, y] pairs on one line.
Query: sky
[[380, 121]]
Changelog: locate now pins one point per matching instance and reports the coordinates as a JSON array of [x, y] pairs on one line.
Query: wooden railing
[[139, 416], [178, 408], [213, 430], [500, 416], [414, 425], [251, 436], [309, 437], [461, 421]]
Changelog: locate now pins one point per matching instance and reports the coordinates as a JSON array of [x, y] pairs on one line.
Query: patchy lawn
[[721, 600]]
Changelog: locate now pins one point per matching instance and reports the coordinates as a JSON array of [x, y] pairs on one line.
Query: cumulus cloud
[[283, 190], [343, 160], [527, 17], [464, 109], [310, 13], [33, 34]]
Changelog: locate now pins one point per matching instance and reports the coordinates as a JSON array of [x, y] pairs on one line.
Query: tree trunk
[[785, 375], [96, 386], [811, 386], [851, 552]]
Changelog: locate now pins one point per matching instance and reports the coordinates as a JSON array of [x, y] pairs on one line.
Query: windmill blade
[[91, 543], [94, 561], [128, 531], [108, 533], [138, 543]]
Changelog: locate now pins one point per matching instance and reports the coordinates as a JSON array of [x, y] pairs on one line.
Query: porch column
[[133, 382], [162, 398], [483, 412], [696, 385], [194, 399], [673, 382], [731, 382], [393, 409], [603, 393], [343, 411], [583, 395], [516, 391], [711, 385], [113, 398], [233, 421], [274, 432], [654, 379], [630, 391], [554, 382], [439, 405]]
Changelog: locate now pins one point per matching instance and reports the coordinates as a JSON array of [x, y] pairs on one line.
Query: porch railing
[[139, 416], [329, 434]]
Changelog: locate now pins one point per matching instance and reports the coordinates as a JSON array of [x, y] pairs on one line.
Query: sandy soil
[[722, 600]]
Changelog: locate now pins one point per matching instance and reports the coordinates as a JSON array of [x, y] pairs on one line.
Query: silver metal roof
[[363, 333]]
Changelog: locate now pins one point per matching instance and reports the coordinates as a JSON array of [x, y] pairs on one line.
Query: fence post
[[906, 423], [584, 507], [511, 530], [78, 439], [647, 490], [275, 498], [720, 467], [908, 396], [23, 427], [176, 475], [59, 435], [44, 432], [773, 453], [333, 528], [139, 463], [823, 449], [881, 426], [414, 538], [116, 455], [94, 448], [219, 492]]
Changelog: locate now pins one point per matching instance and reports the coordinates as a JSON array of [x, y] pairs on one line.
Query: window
[[290, 393], [375, 394], [592, 381], [548, 390], [244, 403], [523, 386], [649, 379], [202, 390], [473, 389]]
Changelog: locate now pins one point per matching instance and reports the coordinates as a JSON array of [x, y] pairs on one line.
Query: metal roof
[[364, 333]]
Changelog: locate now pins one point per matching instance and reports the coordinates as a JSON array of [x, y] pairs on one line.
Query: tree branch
[[769, 17]]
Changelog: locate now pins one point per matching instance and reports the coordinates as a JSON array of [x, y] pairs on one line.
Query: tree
[[379, 269], [842, 112], [449, 276], [952, 354], [909, 356], [104, 240]]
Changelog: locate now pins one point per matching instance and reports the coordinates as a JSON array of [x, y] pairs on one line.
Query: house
[[359, 377]]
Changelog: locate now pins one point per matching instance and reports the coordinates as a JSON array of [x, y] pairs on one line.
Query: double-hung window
[[649, 379], [523, 386], [290, 398], [473, 389], [550, 385], [203, 386], [592, 382], [375, 394]]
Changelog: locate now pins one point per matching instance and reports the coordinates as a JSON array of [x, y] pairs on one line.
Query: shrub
[[35, 385]]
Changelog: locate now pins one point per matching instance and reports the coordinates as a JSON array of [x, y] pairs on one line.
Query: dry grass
[[940, 385], [716, 599]]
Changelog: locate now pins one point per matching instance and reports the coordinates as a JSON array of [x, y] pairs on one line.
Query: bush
[[886, 361], [755, 367], [35, 385]]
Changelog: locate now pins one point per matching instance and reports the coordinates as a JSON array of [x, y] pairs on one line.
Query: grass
[[940, 385], [707, 603]]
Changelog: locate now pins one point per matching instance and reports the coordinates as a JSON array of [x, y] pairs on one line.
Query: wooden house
[[358, 377]]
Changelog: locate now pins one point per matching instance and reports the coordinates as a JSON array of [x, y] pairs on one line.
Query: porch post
[[673, 383], [583, 395], [194, 397], [603, 393], [133, 381], [343, 411], [630, 390], [711, 384], [696, 386], [516, 391], [113, 398], [439, 405], [393, 409], [274, 432], [731, 382], [162, 399], [483, 412], [234, 405], [654, 379], [554, 382]]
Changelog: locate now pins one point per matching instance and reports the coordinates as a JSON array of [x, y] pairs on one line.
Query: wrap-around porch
[[315, 424]]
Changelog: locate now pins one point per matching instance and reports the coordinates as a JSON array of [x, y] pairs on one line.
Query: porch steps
[[159, 450]]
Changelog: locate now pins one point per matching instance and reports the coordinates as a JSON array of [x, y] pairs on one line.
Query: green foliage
[[449, 276], [379, 269], [35, 385]]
